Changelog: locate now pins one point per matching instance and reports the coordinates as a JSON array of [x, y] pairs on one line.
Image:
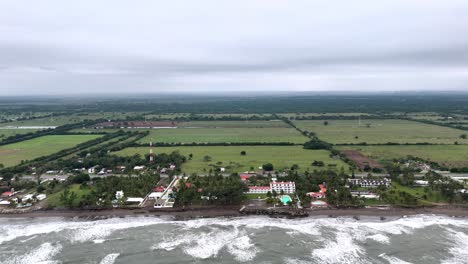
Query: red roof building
[[158, 189], [244, 176], [7, 194]]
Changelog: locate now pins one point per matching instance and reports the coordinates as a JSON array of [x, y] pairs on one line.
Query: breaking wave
[[40, 255], [243, 239]]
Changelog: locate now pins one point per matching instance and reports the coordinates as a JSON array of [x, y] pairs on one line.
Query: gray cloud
[[154, 46]]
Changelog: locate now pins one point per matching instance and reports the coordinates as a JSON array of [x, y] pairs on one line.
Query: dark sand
[[234, 211]]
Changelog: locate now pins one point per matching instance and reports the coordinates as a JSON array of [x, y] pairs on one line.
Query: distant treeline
[[374, 104]]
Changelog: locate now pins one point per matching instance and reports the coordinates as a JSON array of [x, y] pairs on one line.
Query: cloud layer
[[59, 47]]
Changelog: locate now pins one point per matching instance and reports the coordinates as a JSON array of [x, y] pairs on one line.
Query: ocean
[[414, 239]]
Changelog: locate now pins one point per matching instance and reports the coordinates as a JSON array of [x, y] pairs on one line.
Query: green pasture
[[14, 153], [231, 159], [234, 124], [221, 135], [379, 131], [446, 155]]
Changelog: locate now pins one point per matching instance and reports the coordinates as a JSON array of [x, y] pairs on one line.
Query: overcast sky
[[76, 47]]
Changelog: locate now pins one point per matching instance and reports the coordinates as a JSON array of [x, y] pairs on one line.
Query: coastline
[[234, 212]]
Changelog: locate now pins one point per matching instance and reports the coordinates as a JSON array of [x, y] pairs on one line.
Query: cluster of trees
[[316, 143], [213, 189], [447, 187]]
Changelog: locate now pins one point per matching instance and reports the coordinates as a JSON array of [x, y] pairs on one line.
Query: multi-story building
[[286, 187]]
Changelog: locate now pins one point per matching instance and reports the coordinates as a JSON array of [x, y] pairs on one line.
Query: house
[[134, 200], [320, 194], [158, 189], [244, 176], [222, 169], [41, 197], [155, 195], [139, 168], [370, 183], [259, 189], [120, 168], [421, 183], [92, 170], [119, 194], [286, 187], [7, 194]]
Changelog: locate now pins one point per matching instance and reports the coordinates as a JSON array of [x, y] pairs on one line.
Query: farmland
[[224, 135], [12, 154], [5, 133], [380, 131], [234, 124], [231, 159], [446, 155]]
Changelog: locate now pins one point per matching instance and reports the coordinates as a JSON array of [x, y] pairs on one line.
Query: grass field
[[381, 131], [235, 124], [54, 199], [12, 154], [220, 135], [447, 155], [322, 114], [230, 158], [5, 133]]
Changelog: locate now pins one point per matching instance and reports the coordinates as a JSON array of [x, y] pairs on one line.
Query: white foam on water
[[79, 231], [296, 261], [208, 244], [342, 250], [110, 259], [393, 259], [380, 238], [242, 249], [303, 226], [40, 255], [99, 241], [459, 249]]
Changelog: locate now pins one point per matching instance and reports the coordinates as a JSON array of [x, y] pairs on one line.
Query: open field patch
[[380, 131], [445, 155], [234, 124], [362, 161], [231, 159], [13, 154], [222, 135], [5, 133]]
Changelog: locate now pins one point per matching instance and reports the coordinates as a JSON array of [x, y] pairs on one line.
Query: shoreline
[[234, 212]]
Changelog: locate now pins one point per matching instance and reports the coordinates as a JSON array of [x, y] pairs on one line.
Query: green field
[[292, 115], [446, 155], [230, 158], [235, 124], [381, 131], [5, 133], [54, 199], [12, 154], [221, 135]]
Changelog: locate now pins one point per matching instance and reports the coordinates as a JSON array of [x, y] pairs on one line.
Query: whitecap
[[110, 259], [40, 255], [380, 238], [393, 259], [342, 250], [459, 249]]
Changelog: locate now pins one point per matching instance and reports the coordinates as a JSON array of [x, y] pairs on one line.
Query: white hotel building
[[287, 187]]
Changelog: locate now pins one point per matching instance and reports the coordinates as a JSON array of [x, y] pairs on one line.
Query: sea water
[[415, 239]]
